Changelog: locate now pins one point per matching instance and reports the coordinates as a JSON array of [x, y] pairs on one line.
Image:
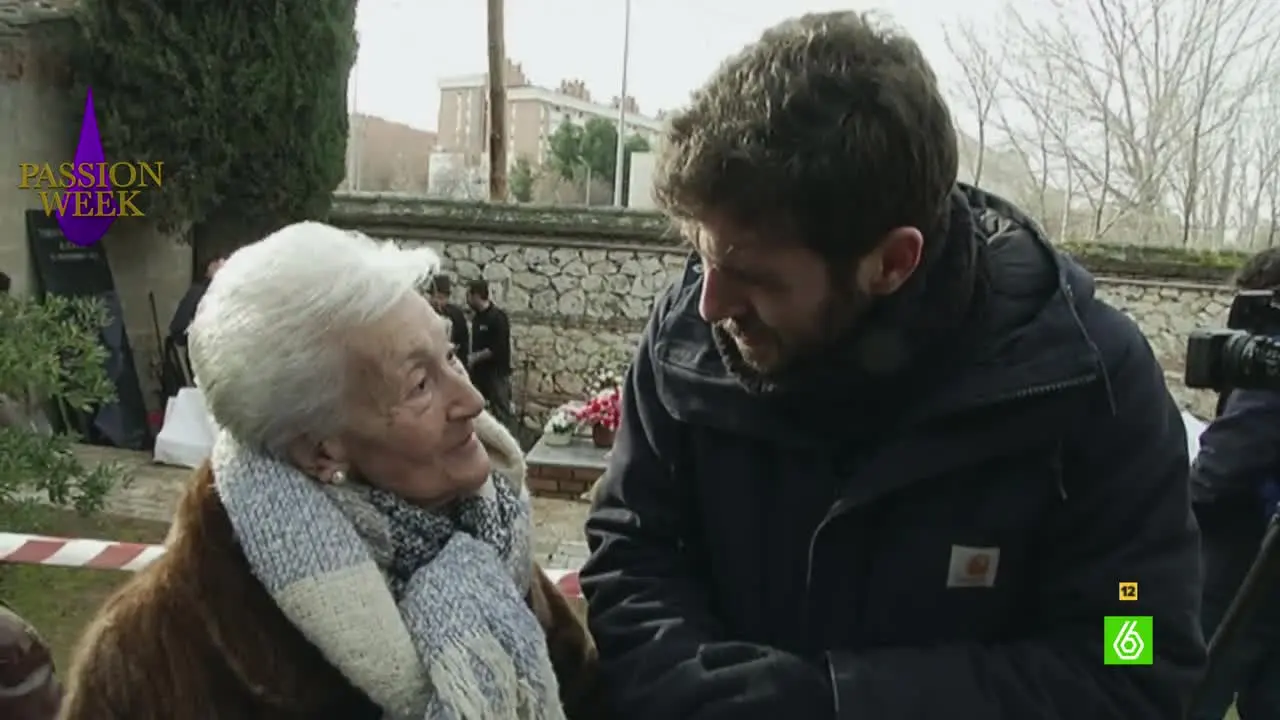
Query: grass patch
[[59, 602]]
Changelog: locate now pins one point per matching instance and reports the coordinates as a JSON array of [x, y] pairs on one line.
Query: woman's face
[[411, 429]]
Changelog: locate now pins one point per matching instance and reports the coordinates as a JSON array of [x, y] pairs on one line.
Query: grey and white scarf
[[423, 611]]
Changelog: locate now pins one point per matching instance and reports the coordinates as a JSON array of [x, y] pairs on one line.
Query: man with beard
[[884, 454]]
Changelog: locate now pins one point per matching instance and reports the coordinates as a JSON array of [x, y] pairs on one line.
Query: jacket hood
[[1022, 334]]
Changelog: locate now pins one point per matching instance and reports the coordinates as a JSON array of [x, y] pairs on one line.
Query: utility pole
[[619, 165], [497, 104], [356, 136]]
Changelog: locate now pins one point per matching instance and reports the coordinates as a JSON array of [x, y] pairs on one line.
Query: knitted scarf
[[424, 611]]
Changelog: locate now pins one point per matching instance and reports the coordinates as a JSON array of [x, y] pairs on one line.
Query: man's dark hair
[[5, 282], [441, 285], [831, 126], [1260, 272], [479, 288]]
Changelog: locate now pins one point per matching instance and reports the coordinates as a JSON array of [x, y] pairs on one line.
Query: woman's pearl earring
[[338, 477]]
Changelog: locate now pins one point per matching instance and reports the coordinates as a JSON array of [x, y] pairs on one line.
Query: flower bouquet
[[605, 378], [560, 427], [603, 413]]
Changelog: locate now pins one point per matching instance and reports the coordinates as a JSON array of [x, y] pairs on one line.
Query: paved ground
[[154, 491]]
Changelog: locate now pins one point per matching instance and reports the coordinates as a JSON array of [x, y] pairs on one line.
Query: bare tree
[[1152, 92], [981, 70], [1030, 118], [1065, 87], [1230, 67], [1256, 195]]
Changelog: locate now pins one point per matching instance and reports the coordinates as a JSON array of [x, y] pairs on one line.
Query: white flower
[[561, 422]]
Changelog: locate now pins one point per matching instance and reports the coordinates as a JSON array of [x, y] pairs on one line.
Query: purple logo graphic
[[86, 195], [87, 189]]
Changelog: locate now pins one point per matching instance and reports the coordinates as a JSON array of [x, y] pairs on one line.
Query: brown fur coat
[[195, 637]]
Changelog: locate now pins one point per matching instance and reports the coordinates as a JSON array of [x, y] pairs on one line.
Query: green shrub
[[50, 357]]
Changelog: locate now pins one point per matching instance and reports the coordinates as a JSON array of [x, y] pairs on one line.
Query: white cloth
[[186, 440]]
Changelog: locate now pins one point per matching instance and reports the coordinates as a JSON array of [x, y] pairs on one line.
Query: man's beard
[[768, 352]]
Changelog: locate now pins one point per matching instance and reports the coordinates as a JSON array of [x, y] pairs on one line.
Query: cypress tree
[[245, 103]]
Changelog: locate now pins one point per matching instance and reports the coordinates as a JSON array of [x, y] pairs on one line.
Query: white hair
[[268, 341]]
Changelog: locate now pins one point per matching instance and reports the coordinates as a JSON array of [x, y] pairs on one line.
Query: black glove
[[744, 682]]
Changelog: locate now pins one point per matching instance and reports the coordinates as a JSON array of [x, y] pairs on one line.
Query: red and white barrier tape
[[23, 549], [65, 552]]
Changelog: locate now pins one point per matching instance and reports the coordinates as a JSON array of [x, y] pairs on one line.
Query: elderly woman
[[358, 545]]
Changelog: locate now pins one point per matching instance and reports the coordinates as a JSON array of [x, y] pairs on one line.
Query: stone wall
[[578, 300], [1167, 312], [574, 310]]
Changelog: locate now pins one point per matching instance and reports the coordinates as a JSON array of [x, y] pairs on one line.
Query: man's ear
[[891, 263], [322, 460]]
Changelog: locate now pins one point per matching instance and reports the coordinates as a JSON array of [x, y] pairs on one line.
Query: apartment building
[[533, 114]]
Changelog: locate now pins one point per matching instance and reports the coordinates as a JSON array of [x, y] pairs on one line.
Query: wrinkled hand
[[742, 681]]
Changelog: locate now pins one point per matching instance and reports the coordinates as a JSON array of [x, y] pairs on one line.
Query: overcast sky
[[406, 46]]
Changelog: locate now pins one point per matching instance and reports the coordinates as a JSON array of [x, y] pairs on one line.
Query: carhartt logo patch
[[973, 566]]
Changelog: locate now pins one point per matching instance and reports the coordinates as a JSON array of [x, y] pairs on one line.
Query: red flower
[[602, 409]]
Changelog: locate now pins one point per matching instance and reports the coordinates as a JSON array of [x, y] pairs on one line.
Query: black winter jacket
[[965, 561]]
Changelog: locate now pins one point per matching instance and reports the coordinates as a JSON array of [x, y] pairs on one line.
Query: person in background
[[175, 367], [884, 452], [490, 358], [359, 544], [191, 301], [1234, 489], [459, 334], [29, 687]]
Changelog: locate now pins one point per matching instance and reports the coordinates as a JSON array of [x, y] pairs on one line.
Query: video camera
[[1244, 355]]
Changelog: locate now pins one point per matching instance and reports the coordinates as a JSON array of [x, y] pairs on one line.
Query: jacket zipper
[[843, 506]]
